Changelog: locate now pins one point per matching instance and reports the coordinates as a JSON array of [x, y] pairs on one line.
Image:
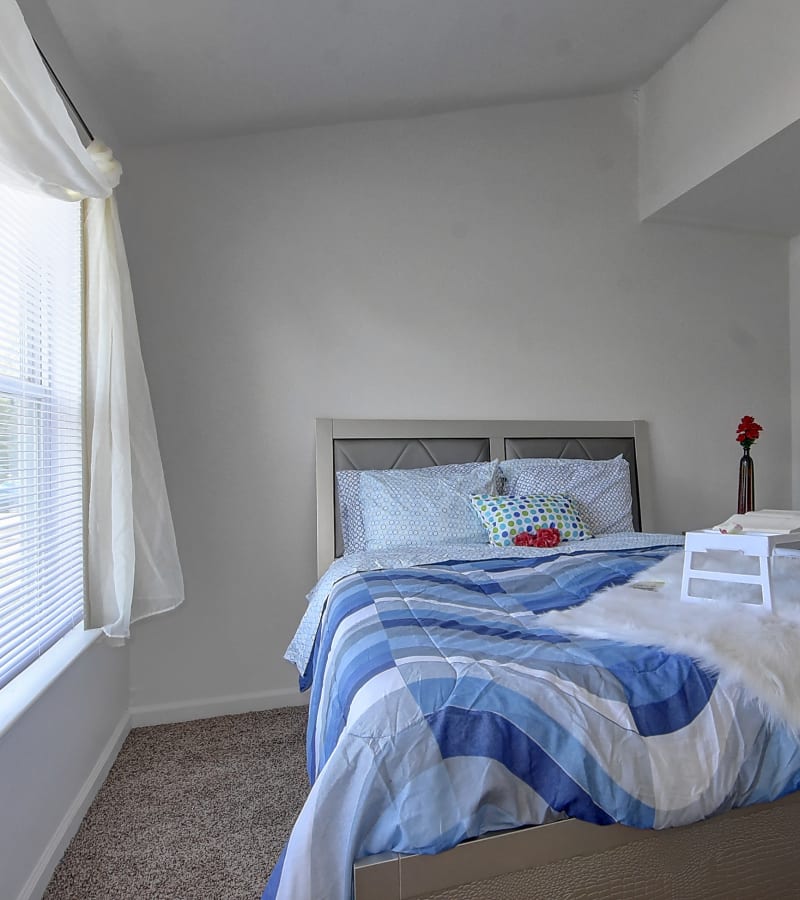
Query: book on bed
[[762, 521]]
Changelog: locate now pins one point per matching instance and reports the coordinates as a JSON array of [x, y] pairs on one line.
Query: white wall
[[478, 264], [726, 91], [794, 315], [52, 761]]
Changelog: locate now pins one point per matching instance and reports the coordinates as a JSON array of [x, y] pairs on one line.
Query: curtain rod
[[63, 91]]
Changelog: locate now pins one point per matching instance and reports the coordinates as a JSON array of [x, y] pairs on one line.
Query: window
[[41, 445]]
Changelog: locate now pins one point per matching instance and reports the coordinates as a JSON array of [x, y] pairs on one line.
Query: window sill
[[21, 693]]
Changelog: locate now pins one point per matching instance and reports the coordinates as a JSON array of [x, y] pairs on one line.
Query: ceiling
[[177, 70]]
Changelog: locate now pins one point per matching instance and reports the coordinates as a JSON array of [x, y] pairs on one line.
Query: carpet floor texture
[[192, 811]]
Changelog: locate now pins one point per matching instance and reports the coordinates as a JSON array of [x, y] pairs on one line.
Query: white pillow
[[599, 488], [423, 507], [351, 519]]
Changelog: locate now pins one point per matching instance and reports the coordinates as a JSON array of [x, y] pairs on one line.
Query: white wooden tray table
[[762, 545]]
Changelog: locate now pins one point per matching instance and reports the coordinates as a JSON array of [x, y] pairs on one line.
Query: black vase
[[747, 491]]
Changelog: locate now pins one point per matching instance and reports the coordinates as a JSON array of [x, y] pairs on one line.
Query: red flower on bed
[[748, 431], [547, 537], [542, 537]]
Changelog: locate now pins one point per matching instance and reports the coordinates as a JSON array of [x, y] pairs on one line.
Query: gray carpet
[[192, 811]]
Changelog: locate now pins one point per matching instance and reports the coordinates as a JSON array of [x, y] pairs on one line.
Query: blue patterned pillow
[[600, 489], [348, 484], [421, 507], [506, 516]]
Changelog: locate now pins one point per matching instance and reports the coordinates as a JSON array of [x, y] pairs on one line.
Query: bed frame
[[416, 443], [744, 853]]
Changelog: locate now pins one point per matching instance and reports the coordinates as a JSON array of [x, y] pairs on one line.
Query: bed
[[432, 682]]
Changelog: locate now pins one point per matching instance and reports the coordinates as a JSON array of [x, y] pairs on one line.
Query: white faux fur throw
[[749, 647]]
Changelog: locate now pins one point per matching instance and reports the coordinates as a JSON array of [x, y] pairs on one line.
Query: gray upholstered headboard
[[415, 443]]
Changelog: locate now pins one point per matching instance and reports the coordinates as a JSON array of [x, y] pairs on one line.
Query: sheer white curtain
[[133, 565]]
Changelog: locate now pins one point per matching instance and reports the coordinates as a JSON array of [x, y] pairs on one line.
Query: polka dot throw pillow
[[506, 516]]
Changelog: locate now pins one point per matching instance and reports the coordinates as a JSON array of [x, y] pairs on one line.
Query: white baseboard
[[35, 886], [205, 708]]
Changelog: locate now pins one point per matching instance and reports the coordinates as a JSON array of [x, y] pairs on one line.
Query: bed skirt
[[745, 853]]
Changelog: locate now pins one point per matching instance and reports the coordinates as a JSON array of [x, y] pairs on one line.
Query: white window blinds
[[41, 447]]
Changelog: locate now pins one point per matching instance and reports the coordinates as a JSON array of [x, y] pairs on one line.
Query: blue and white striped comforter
[[440, 710]]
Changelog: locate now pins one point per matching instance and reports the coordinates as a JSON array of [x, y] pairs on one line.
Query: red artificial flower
[[542, 537], [547, 537], [748, 431]]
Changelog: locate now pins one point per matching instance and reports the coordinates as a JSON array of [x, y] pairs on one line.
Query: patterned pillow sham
[[348, 486], [600, 489], [505, 516], [421, 507]]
